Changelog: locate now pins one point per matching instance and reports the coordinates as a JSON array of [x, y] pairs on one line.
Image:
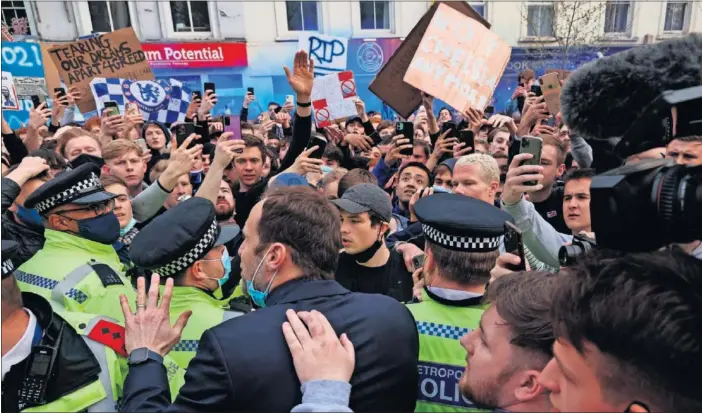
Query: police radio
[[39, 372]]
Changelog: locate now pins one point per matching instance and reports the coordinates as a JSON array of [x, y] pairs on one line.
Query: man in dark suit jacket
[[288, 257]]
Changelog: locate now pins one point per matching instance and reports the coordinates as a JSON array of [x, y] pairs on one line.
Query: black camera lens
[[567, 254]]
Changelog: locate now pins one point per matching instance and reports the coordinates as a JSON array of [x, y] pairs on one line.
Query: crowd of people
[[147, 271]]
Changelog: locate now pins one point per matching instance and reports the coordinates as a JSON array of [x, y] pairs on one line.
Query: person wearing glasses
[[77, 268]]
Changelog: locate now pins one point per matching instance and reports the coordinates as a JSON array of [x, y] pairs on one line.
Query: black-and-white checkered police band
[[197, 252], [90, 184], [458, 243]]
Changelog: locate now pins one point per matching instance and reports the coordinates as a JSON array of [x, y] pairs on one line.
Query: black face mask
[[365, 256], [87, 158]]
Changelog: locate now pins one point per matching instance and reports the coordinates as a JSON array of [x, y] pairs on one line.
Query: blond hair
[[71, 134], [119, 147], [489, 169]]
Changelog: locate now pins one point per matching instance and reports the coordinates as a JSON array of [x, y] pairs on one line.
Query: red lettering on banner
[[195, 55]]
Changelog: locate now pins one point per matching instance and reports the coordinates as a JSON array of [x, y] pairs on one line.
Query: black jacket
[[245, 201], [75, 364], [29, 240], [244, 364]]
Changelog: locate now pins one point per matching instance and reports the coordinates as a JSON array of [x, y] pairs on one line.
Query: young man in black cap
[[197, 260], [77, 267], [460, 250], [83, 370], [366, 265]]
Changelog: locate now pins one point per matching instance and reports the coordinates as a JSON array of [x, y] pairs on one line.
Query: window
[[375, 15], [479, 6], [540, 20], [302, 16], [617, 17], [16, 16], [675, 16], [108, 16], [190, 16]]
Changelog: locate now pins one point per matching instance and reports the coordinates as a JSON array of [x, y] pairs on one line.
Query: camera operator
[[685, 150], [628, 335]]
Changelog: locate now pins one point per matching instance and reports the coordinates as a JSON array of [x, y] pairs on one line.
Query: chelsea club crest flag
[[159, 100]]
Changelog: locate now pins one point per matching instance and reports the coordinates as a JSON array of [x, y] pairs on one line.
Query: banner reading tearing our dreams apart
[[333, 98], [458, 60], [158, 100], [330, 54], [116, 54]]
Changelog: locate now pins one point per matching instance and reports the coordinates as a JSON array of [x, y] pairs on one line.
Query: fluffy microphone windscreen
[[603, 98]]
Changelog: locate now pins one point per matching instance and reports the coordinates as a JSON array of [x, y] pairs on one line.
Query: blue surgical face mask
[[259, 297], [128, 228], [227, 265], [29, 217], [326, 169], [102, 228]]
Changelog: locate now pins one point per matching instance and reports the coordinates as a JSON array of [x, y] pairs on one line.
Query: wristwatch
[[142, 355]]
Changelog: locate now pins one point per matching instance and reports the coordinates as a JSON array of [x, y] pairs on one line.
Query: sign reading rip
[[329, 53], [458, 60], [116, 54]]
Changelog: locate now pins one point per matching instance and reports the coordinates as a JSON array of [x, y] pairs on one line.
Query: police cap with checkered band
[[461, 223], [179, 237], [79, 185]]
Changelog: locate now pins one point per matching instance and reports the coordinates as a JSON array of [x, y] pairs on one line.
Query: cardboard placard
[[9, 96], [388, 85], [333, 98], [51, 74], [458, 60], [330, 54], [116, 54]]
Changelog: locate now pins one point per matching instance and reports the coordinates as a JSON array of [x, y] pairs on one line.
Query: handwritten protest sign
[[51, 74], [9, 96], [388, 85], [330, 54], [333, 98], [116, 54], [458, 60]]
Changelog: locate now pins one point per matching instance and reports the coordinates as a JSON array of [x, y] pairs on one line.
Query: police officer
[[460, 250], [186, 244], [50, 362], [77, 267]]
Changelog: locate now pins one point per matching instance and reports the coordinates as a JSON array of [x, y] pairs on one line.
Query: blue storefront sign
[[22, 60]]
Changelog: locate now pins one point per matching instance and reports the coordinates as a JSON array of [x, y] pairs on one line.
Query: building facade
[[245, 44]]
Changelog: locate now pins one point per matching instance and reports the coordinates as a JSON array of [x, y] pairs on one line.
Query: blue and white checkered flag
[[158, 100]]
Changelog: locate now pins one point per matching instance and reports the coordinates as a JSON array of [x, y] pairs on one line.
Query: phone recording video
[[182, 132], [321, 142], [111, 108], [60, 92], [451, 127], [467, 137], [406, 129], [514, 245]]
